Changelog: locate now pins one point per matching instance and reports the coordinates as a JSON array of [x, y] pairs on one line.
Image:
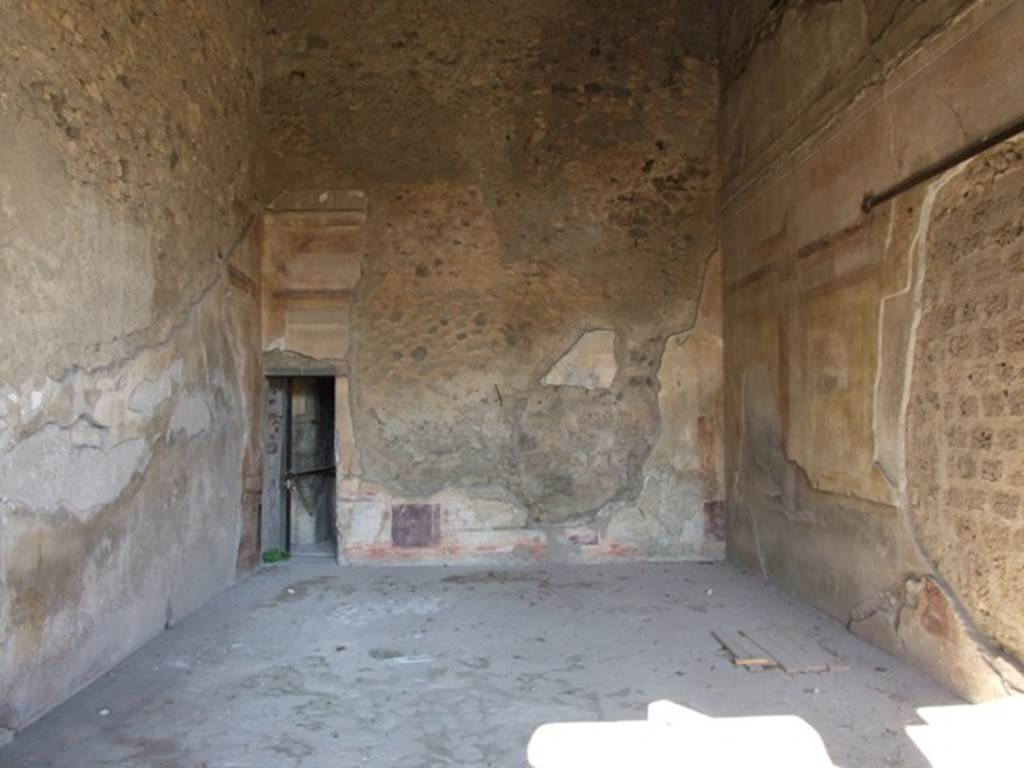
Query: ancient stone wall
[[871, 358], [128, 450], [965, 464], [531, 347]]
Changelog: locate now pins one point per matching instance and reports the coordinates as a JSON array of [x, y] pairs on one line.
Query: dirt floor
[[306, 664]]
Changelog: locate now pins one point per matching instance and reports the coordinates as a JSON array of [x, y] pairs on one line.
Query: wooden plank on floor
[[744, 652], [815, 652], [794, 654]]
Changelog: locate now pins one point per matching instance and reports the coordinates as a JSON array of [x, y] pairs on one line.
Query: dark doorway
[[299, 478]]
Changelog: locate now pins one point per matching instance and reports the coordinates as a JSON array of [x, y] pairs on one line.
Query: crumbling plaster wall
[[127, 352], [541, 185], [872, 360]]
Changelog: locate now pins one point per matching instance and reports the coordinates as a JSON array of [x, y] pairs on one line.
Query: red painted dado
[[383, 529], [529, 549]]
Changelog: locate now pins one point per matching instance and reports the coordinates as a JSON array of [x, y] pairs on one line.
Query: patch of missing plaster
[[73, 468], [86, 433], [690, 382], [666, 518], [800, 536], [921, 617], [590, 363], [761, 446], [690, 374], [919, 620], [963, 527], [918, 266], [899, 318], [149, 394], [767, 467], [899, 321], [191, 415]]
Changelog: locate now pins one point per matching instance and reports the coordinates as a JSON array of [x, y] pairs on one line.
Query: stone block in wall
[[316, 269], [312, 261], [319, 200], [317, 327]]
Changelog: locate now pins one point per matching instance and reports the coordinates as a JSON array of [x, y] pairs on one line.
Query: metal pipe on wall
[[988, 141]]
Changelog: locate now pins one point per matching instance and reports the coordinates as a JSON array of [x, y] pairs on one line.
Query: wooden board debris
[[794, 656], [771, 647], [744, 652]]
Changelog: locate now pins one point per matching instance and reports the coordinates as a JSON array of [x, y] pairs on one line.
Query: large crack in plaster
[[917, 265], [150, 393], [83, 439], [91, 489], [186, 316], [884, 617], [49, 471], [890, 445], [673, 484], [790, 157], [191, 415], [1006, 670], [671, 492], [96, 395], [589, 363]]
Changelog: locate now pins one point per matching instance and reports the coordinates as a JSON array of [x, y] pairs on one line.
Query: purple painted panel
[[714, 520], [415, 525]]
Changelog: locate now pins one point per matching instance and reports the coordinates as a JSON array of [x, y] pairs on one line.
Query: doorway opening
[[299, 474]]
